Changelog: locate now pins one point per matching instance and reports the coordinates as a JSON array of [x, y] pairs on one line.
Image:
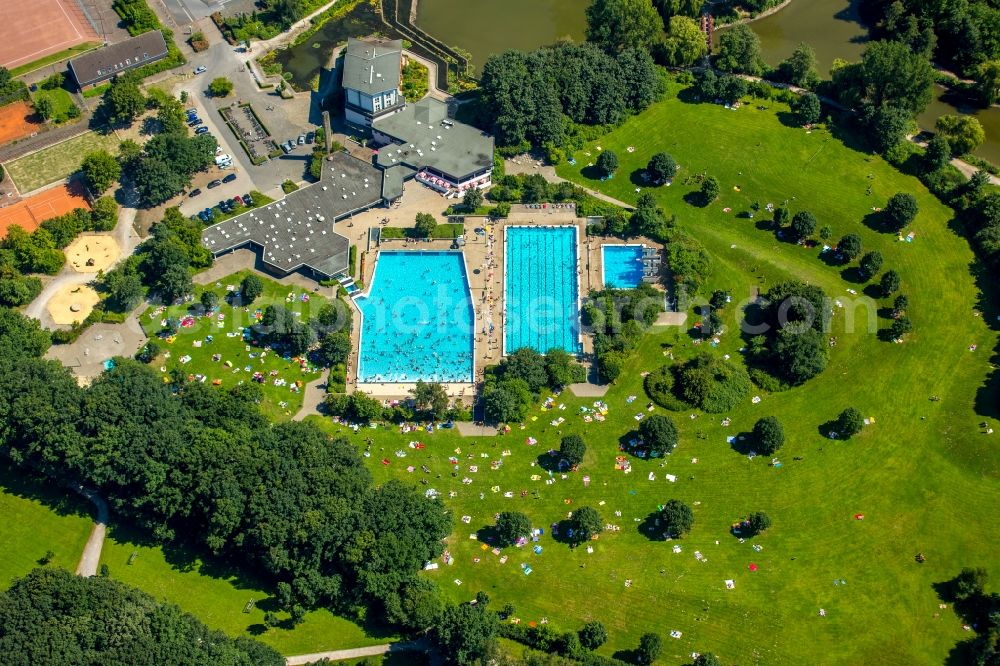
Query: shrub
[[659, 385], [713, 384], [220, 87]]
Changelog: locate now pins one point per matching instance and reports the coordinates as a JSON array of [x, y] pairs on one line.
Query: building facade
[[371, 80]]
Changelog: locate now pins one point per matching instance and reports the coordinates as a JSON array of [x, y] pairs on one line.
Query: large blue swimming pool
[[541, 305], [418, 321], [622, 266]]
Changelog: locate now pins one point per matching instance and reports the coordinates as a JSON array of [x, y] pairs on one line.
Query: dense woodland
[[53, 617], [191, 464]]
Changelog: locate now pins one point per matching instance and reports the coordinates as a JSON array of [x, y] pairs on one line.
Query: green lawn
[[57, 162], [280, 401], [36, 519], [923, 474], [217, 596], [61, 103]]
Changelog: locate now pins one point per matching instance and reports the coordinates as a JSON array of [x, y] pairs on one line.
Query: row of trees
[[513, 385], [533, 98]]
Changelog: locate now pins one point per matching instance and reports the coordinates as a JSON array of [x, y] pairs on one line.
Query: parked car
[[200, 69], [215, 183], [200, 130], [194, 122], [192, 112], [287, 147], [230, 178], [247, 199], [195, 192], [301, 139], [224, 205], [239, 200], [202, 216], [310, 137], [209, 214]]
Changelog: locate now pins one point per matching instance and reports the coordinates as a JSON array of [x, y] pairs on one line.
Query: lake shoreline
[[750, 19]]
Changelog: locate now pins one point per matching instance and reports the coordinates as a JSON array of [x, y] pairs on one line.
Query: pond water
[[486, 27], [831, 27]]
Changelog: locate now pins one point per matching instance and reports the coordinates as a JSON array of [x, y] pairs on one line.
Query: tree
[[889, 74], [887, 125], [174, 283], [659, 435], [900, 327], [800, 355], [900, 210], [129, 152], [572, 449], [937, 154], [21, 336], [156, 181], [799, 69], [431, 397], [124, 289], [807, 108], [685, 44], [871, 263], [123, 102], [607, 163], [616, 25], [507, 401], [730, 88], [104, 214], [677, 518], [100, 170], [251, 287], [899, 305], [466, 634], [560, 367], [849, 423], [850, 247], [661, 168], [528, 365], [593, 635], [706, 659], [781, 216], [803, 225], [334, 348], [170, 115], [739, 51], [719, 299], [425, 225], [988, 82], [585, 523], [969, 583], [964, 133], [44, 107], [650, 646], [889, 284], [759, 522], [768, 435], [473, 198], [220, 87], [209, 299], [709, 190], [512, 526]]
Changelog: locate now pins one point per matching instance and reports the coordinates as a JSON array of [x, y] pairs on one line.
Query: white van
[[223, 160]]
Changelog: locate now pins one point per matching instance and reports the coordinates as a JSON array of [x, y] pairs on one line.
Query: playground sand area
[[93, 253], [72, 303]]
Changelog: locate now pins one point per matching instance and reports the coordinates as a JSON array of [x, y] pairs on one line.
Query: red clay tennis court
[[33, 29], [17, 120], [31, 212]]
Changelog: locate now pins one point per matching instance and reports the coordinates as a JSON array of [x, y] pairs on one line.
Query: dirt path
[[355, 653], [91, 557]]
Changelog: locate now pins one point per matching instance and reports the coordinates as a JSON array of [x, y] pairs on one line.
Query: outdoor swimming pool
[[417, 320], [622, 266], [541, 298]]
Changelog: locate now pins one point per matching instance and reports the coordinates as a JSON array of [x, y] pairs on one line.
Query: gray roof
[[392, 181], [104, 63], [429, 140], [372, 66], [298, 230]]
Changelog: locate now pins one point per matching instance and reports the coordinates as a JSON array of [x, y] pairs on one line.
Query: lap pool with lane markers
[[541, 298]]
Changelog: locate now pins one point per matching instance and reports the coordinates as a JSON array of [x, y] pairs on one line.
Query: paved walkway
[[470, 429], [313, 396], [355, 653], [91, 557]]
